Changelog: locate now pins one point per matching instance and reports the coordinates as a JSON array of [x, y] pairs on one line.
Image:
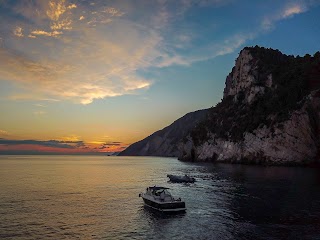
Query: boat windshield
[[161, 191], [166, 192]]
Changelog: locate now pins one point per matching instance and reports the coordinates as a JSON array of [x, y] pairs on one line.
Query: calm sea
[[90, 197]]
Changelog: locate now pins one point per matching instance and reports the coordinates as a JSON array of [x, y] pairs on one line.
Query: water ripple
[[97, 198]]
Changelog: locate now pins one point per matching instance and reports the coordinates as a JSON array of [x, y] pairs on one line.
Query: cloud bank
[[10, 146], [67, 51], [82, 51], [49, 143]]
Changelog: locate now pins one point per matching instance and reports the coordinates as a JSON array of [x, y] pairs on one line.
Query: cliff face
[[294, 141], [244, 82], [269, 114], [165, 141]]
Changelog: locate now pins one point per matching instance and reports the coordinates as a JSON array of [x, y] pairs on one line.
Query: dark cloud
[[107, 145], [112, 144], [103, 147], [49, 143]]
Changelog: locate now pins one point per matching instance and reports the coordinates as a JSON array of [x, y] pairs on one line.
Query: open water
[[90, 197]]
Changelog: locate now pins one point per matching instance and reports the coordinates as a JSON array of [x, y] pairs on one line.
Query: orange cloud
[[3, 133], [54, 146], [72, 138], [113, 12], [42, 149], [58, 8], [44, 33], [62, 25], [18, 32], [82, 64], [72, 6]]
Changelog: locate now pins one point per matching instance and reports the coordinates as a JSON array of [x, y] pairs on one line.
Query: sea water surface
[[90, 197]]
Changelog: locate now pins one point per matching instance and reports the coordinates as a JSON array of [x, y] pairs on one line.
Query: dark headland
[[269, 114]]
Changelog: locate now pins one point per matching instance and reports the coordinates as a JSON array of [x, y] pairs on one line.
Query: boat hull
[[177, 206], [180, 179]]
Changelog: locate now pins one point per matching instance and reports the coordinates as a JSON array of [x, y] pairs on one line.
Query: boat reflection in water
[[159, 198]]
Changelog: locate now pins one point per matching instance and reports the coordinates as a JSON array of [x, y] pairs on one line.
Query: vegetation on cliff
[[270, 114], [293, 78]]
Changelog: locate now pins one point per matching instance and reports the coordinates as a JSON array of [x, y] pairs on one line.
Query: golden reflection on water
[[79, 191], [88, 197]]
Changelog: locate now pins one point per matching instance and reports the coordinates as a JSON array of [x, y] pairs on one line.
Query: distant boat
[[159, 198], [180, 179]]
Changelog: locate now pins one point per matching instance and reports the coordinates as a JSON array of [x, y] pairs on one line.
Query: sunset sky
[[95, 76]]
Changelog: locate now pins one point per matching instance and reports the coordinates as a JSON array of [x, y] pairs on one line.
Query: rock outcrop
[[244, 81], [269, 114]]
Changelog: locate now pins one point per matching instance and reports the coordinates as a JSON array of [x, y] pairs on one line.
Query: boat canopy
[[158, 188]]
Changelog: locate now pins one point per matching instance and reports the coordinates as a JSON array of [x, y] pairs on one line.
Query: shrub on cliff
[[293, 79]]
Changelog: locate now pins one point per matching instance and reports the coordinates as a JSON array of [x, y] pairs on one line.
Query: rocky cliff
[[269, 114], [165, 141]]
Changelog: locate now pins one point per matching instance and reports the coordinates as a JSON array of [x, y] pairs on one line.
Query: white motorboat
[[159, 198]]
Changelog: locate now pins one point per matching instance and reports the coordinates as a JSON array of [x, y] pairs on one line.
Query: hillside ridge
[[269, 114]]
